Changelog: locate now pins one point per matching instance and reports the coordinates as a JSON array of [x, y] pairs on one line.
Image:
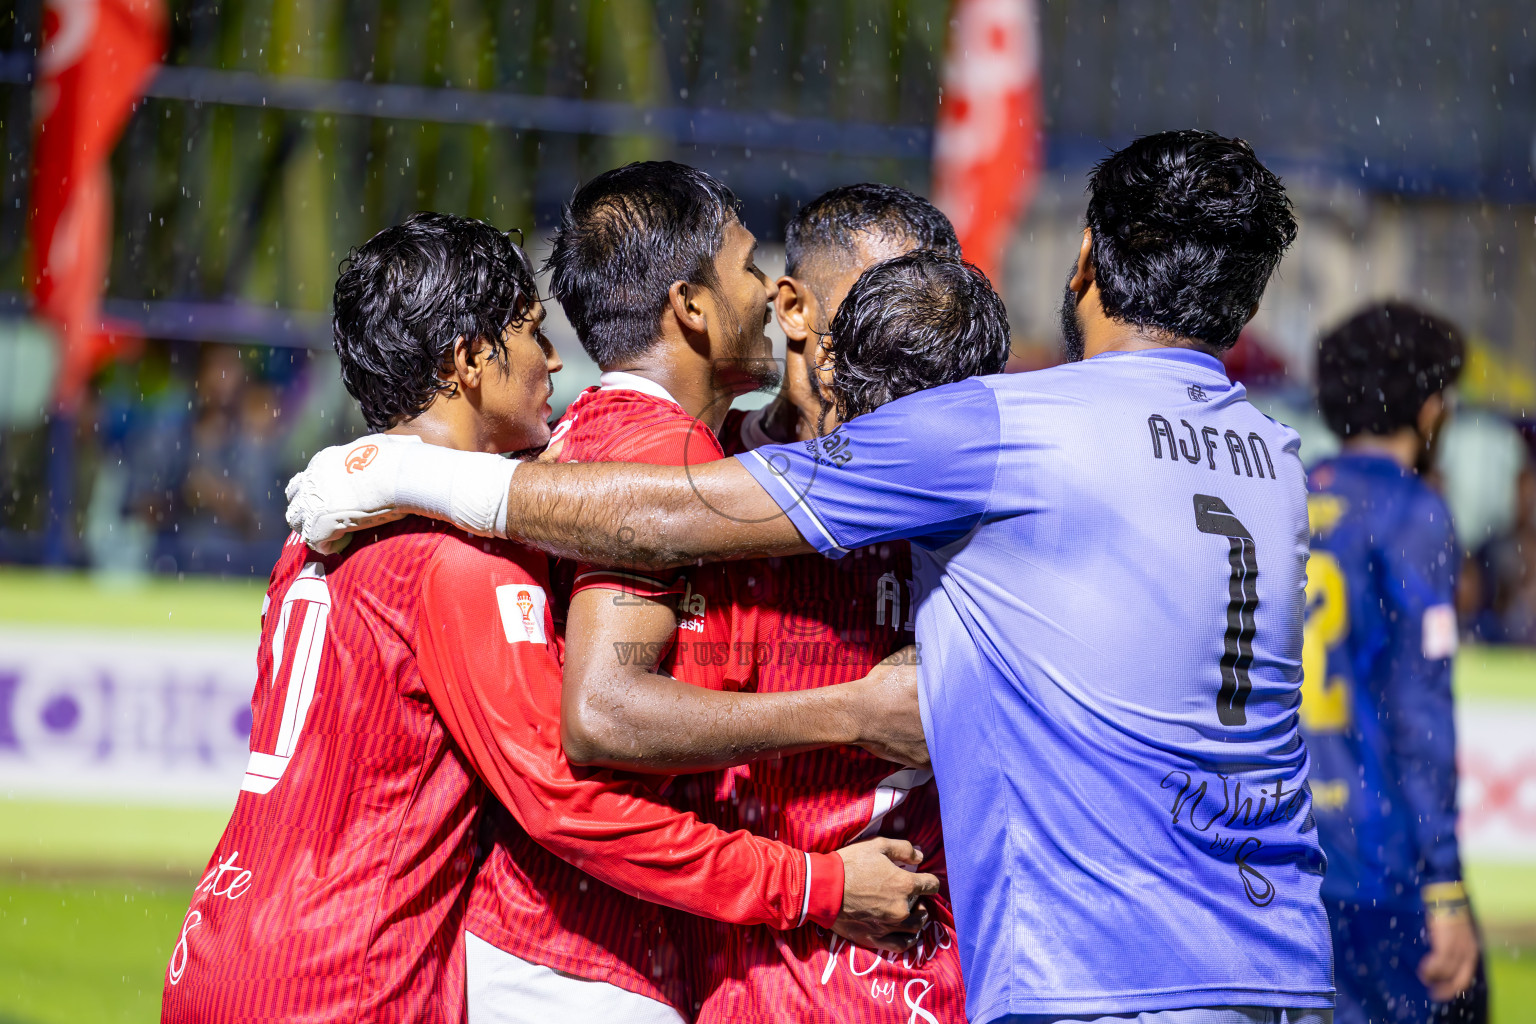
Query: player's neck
[[1401, 447], [796, 409], [1102, 333], [1122, 337], [449, 422], [689, 380]]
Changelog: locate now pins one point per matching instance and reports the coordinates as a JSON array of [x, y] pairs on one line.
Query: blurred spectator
[[229, 523], [1498, 596], [148, 413], [184, 453], [1479, 458]]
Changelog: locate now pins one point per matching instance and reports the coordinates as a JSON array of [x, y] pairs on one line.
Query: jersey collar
[[620, 380], [1191, 356]]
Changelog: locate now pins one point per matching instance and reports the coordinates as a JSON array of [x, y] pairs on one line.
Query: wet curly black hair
[[1187, 228], [407, 295], [910, 323], [1376, 370]]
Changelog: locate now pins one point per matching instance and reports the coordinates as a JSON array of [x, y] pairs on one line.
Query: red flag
[[986, 152], [96, 59]]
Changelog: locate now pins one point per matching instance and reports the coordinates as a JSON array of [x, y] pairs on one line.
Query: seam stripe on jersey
[[805, 904], [798, 500]]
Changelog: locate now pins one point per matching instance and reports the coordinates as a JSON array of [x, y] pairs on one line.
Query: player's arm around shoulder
[[489, 656], [619, 712], [489, 663]]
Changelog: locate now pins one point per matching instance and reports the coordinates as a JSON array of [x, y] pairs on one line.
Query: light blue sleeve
[[921, 468]]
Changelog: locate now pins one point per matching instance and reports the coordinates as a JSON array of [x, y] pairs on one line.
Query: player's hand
[[383, 477], [882, 893], [1452, 959], [886, 713], [345, 488]]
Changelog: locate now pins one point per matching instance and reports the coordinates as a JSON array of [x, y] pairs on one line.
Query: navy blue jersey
[[1376, 708]]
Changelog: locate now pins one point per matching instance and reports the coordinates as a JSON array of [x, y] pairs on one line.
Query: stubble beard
[[743, 373], [1072, 336]]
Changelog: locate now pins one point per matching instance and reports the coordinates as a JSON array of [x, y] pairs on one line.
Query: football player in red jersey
[[786, 626], [806, 622], [677, 335], [402, 675]]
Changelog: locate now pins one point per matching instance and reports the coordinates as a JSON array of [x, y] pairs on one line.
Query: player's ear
[[1432, 415], [470, 360], [794, 306], [1082, 277], [685, 302]]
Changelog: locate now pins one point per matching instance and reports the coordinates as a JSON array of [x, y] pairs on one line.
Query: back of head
[[1376, 370], [623, 239], [1187, 228], [408, 294], [834, 220], [912, 323]]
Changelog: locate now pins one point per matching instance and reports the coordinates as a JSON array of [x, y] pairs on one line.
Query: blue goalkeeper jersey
[[1111, 559], [1377, 710]]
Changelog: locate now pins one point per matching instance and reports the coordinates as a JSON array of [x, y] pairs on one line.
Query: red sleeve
[[714, 647], [488, 659]]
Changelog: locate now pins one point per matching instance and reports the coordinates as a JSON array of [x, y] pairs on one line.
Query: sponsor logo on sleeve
[[690, 610], [359, 458], [1440, 638], [831, 450], [522, 612]]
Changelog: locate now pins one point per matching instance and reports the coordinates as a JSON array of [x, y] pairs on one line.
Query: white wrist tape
[[468, 489]]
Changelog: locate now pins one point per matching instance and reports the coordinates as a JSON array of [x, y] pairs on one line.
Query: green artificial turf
[[85, 951], [78, 951], [39, 598], [1512, 984], [106, 839], [1496, 673]]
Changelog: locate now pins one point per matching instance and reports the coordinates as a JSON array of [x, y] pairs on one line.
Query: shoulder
[[399, 548], [966, 405], [475, 562], [619, 425], [1425, 509]]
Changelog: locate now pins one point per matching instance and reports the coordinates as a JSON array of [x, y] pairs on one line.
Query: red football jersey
[[392, 678], [798, 623], [582, 849], [619, 422], [337, 890], [524, 901]]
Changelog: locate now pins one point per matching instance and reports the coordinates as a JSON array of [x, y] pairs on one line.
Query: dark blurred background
[[280, 133]]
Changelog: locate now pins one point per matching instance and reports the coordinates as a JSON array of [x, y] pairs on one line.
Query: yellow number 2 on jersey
[[1324, 700]]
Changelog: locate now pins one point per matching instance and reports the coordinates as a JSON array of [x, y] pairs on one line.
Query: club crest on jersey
[[360, 458], [522, 612]]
